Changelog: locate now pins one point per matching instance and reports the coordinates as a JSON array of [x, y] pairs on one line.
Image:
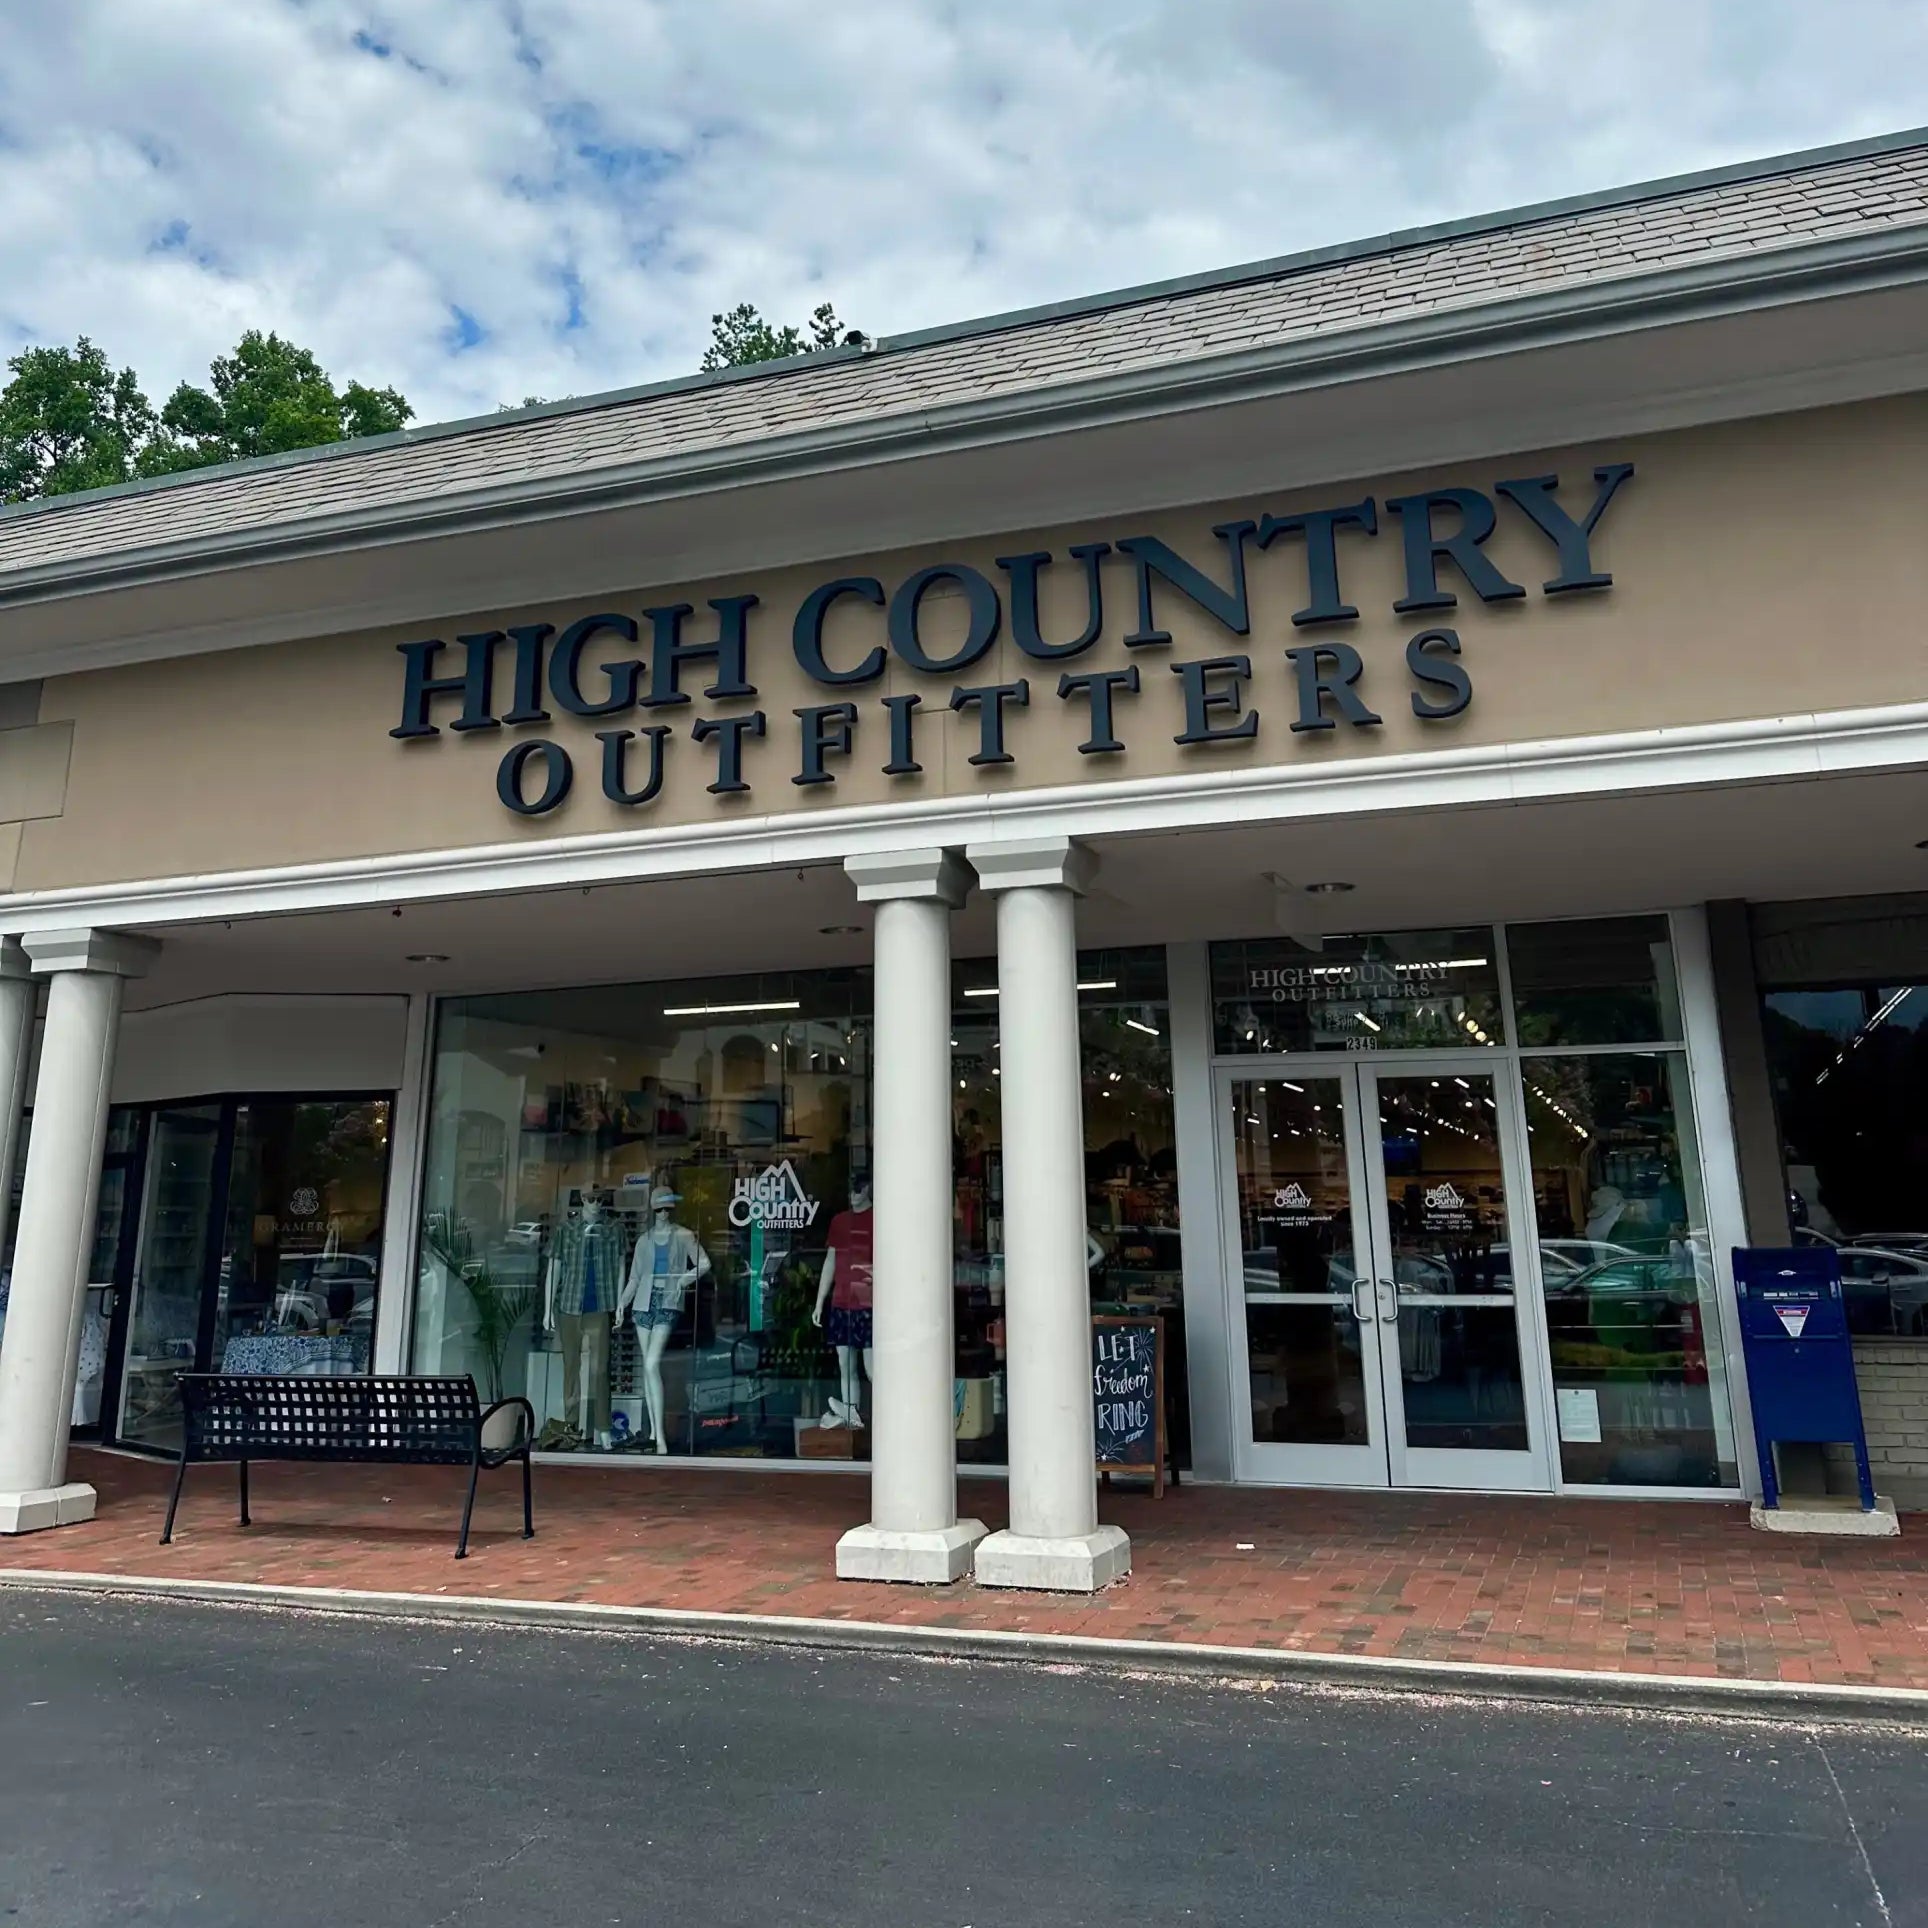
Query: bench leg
[[174, 1500], [468, 1507], [243, 1465], [528, 1505]]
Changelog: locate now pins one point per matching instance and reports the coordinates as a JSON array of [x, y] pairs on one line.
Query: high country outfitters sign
[[594, 669]]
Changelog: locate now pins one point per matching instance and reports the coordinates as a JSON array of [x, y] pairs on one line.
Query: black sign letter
[[729, 732], [1202, 699], [1328, 669], [1023, 571], [1098, 687], [1534, 494], [806, 638], [1461, 547], [1320, 527], [819, 741], [990, 699], [1430, 656]]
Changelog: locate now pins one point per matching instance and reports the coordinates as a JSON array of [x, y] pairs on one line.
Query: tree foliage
[[69, 420], [743, 336], [266, 398]]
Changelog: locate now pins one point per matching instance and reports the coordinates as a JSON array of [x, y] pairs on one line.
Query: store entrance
[[1378, 1337]]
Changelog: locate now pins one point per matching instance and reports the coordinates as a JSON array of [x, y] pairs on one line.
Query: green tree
[[69, 421], [266, 398], [742, 336]]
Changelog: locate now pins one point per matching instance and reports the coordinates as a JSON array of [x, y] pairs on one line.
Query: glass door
[[1378, 1338], [1456, 1358], [171, 1261], [1306, 1319]]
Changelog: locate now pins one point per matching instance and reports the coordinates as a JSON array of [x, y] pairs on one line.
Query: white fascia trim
[[1805, 746]]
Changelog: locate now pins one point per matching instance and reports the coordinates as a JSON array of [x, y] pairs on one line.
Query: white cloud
[[481, 199]]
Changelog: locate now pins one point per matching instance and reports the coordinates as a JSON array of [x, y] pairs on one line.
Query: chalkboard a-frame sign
[[1128, 1395]]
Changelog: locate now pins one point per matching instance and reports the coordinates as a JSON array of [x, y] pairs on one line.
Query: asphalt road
[[232, 1768]]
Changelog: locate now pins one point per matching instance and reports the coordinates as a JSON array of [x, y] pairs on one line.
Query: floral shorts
[[847, 1325]]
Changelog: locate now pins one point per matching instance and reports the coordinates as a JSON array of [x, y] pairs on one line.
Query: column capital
[[114, 953], [881, 875], [1042, 862], [14, 961]]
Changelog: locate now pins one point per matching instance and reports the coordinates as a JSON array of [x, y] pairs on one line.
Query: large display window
[[1131, 1176], [646, 1210], [647, 1207]]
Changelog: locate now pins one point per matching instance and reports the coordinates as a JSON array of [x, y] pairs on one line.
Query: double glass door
[[1377, 1208]]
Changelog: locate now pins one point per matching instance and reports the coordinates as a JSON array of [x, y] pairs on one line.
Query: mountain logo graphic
[[774, 1197], [1292, 1198], [1443, 1198]]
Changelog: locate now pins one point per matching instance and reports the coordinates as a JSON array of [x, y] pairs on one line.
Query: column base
[[932, 1558], [1081, 1564], [46, 1506]]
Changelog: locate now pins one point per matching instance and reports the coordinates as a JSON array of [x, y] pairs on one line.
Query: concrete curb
[[1565, 1686]]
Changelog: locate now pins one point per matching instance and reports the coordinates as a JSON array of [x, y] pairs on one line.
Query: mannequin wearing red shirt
[[844, 1287]]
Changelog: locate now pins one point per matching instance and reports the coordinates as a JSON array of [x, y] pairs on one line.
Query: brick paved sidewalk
[[1633, 1587]]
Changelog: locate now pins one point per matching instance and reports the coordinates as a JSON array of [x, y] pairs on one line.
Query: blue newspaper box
[[1800, 1366]]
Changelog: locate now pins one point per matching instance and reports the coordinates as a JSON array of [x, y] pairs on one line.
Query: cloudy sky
[[477, 200]]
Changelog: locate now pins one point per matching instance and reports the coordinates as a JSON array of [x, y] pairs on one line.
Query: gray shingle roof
[[1736, 213]]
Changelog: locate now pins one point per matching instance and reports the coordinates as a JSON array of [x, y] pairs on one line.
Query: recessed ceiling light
[[1923, 844], [840, 930], [1326, 890], [428, 957]]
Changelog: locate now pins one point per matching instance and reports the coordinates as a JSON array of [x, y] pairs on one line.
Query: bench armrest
[[515, 1442]]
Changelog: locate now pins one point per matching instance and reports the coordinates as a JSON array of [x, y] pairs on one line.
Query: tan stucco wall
[[1759, 568]]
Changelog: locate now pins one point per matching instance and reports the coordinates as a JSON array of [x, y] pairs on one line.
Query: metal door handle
[[1362, 1313], [1388, 1302]]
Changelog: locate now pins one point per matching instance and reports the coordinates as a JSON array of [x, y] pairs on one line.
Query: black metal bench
[[390, 1421]]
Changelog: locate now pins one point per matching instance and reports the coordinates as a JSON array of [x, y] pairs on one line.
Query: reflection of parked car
[[313, 1289], [1885, 1288], [1628, 1318], [529, 1232]]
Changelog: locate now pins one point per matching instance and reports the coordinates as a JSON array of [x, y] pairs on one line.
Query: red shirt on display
[[849, 1239]]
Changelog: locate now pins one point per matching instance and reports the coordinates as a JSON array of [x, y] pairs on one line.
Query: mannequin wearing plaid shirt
[[586, 1272]]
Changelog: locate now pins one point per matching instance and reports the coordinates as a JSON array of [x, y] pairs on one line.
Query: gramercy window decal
[[587, 669]]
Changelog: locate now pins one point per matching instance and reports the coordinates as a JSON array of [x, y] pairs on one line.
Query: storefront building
[[1369, 805]]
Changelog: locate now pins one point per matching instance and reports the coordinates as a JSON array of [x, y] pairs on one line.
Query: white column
[[914, 1532], [1054, 1540], [18, 994], [41, 1350]]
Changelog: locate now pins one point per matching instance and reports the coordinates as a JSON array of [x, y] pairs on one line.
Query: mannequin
[[579, 1294], [667, 1262], [845, 1286]]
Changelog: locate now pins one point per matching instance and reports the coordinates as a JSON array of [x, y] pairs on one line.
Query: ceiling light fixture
[[1332, 889], [730, 1010], [840, 930], [428, 957]]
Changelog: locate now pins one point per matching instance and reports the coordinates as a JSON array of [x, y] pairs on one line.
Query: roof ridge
[[1274, 268]]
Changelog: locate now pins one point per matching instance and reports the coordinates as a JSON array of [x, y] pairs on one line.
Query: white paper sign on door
[[1579, 1408], [1794, 1318]]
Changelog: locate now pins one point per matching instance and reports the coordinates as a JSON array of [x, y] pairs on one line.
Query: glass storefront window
[[1397, 990], [1626, 1265], [1848, 1067], [301, 1255], [1131, 1176], [259, 1247], [1607, 980], [646, 1208]]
